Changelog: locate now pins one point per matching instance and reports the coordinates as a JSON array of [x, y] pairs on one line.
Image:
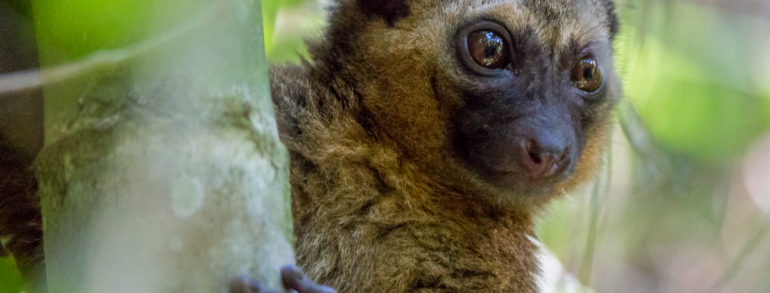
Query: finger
[[246, 284], [293, 279]]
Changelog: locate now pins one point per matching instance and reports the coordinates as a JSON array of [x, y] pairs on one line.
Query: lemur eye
[[587, 76], [488, 49]]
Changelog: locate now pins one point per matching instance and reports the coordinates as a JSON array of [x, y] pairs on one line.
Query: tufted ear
[[612, 18], [389, 10]]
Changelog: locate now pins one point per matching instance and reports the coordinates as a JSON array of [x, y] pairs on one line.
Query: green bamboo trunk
[[162, 170]]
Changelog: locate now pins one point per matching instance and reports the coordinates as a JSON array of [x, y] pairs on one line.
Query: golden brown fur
[[380, 201]]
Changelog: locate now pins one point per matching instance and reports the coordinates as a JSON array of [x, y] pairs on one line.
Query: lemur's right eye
[[485, 47], [488, 49]]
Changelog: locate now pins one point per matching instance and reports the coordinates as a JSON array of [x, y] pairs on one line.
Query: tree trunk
[[162, 170]]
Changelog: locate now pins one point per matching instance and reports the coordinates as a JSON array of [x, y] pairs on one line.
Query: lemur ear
[[389, 10], [612, 18]]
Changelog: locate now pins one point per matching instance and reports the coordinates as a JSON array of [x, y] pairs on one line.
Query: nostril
[[535, 158], [564, 159], [561, 164], [533, 149], [542, 163]]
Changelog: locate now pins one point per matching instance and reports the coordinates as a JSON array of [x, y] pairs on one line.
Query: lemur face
[[511, 95], [532, 93]]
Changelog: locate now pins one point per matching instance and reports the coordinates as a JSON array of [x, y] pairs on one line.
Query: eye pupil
[[588, 73], [490, 52], [488, 49]]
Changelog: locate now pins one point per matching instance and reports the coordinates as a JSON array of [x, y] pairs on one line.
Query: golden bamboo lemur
[[425, 136]]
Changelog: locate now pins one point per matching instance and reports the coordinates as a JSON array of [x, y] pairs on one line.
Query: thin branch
[[642, 141], [599, 192], [27, 80], [740, 258]]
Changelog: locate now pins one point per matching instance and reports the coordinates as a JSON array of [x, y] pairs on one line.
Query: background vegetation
[[682, 206]]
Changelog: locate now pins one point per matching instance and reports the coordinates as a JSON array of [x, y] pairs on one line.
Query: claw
[[243, 284]]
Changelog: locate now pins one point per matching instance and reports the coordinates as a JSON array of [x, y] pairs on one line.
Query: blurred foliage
[[83, 28], [689, 73], [698, 72], [287, 23], [10, 280]]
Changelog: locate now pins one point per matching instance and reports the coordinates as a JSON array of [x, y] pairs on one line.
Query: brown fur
[[381, 203]]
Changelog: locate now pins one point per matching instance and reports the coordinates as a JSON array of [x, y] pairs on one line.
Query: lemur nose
[[542, 160]]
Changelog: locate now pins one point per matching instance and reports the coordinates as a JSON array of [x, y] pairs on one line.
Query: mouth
[[521, 182], [520, 168]]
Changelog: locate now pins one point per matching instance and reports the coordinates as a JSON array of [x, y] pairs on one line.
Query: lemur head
[[511, 96]]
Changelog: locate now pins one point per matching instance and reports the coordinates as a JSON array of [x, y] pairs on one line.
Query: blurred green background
[[685, 205]]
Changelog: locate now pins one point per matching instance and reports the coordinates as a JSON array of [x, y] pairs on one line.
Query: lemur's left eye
[[488, 49], [587, 75]]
